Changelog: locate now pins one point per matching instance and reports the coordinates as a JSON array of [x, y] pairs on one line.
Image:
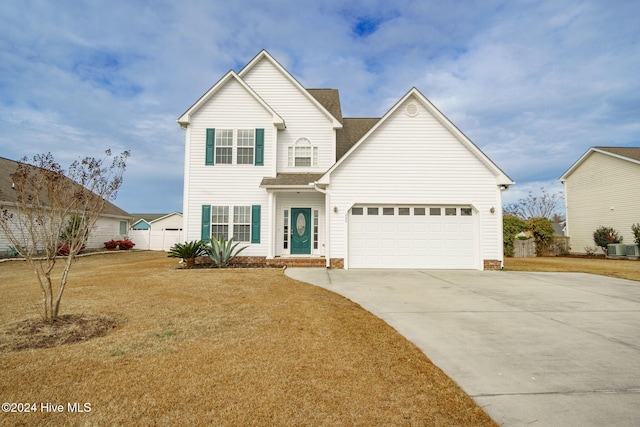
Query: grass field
[[217, 347], [623, 269]]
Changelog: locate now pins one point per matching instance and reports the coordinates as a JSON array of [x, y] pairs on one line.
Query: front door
[[300, 231]]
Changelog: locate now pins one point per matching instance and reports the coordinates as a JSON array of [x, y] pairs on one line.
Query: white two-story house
[[276, 166]]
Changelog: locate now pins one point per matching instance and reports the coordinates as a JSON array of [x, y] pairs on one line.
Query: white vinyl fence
[[161, 240]]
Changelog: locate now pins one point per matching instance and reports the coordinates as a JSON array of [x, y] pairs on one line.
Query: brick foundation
[[337, 262], [492, 264], [260, 261]]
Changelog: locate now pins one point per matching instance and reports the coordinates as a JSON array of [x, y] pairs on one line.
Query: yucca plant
[[189, 251], [223, 251]]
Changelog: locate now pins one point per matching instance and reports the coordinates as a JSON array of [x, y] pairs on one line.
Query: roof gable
[[265, 56], [502, 178], [630, 154], [185, 119]]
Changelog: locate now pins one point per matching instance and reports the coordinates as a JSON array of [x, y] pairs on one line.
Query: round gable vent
[[411, 110]]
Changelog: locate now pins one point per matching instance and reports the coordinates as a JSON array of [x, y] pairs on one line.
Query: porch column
[[271, 226], [327, 234]]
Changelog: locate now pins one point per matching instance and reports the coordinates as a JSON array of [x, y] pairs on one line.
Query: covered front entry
[[425, 237], [300, 231]]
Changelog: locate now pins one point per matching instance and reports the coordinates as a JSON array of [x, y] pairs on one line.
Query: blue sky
[[533, 84]]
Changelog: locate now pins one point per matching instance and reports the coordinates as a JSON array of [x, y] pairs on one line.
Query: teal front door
[[300, 231]]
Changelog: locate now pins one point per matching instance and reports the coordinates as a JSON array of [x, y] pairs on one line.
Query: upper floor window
[[224, 146], [302, 154], [235, 147], [245, 146]]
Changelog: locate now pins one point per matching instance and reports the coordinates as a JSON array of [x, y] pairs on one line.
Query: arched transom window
[[303, 154]]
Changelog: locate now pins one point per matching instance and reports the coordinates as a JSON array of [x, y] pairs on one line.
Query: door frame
[[294, 213]]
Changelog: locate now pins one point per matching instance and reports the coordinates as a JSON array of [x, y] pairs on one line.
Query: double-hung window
[[234, 147], [220, 222], [242, 223], [244, 152], [303, 154], [224, 146]]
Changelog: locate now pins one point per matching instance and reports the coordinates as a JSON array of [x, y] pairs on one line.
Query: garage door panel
[[413, 241]]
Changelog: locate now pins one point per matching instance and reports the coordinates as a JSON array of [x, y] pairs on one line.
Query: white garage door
[[435, 237]]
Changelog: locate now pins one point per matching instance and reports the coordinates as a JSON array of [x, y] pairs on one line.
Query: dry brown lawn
[[218, 347], [623, 269]]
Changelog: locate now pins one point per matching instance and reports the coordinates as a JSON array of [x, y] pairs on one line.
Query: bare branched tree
[[51, 208], [537, 205]]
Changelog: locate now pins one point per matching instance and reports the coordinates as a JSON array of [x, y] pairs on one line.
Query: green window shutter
[[259, 147], [206, 223], [255, 224], [210, 149]]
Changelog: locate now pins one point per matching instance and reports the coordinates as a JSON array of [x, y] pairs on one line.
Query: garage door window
[[404, 211], [450, 211], [419, 211], [465, 211], [388, 211], [435, 211], [357, 211], [372, 211]]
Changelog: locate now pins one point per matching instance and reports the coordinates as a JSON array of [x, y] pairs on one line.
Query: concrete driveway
[[542, 349]]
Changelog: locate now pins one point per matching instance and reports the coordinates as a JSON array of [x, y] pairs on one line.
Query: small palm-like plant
[[188, 251], [223, 251]]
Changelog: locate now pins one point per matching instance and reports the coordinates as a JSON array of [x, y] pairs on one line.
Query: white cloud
[[534, 84]]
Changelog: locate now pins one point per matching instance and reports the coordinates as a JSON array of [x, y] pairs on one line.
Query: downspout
[[327, 213]]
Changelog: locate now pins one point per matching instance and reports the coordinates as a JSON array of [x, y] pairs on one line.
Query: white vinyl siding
[[594, 198], [423, 164], [301, 115], [232, 107]]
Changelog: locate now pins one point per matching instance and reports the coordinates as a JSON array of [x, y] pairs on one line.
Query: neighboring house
[[602, 188], [157, 222], [156, 232], [112, 224], [277, 167]]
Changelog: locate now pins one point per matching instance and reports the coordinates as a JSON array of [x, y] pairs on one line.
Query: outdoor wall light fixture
[[335, 209], [492, 210]]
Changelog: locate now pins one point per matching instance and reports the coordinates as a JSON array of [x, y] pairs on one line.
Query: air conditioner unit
[[632, 250], [616, 250]]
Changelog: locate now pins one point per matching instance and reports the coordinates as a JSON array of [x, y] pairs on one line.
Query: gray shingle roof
[[351, 132], [291, 179], [629, 152], [7, 194], [330, 99]]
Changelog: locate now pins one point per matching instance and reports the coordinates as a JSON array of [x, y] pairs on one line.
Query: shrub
[[635, 228], [512, 225], [125, 245], [188, 251], [604, 236], [590, 251], [542, 230], [111, 244], [223, 251], [63, 249]]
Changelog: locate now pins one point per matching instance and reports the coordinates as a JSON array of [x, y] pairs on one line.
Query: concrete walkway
[[541, 349]]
